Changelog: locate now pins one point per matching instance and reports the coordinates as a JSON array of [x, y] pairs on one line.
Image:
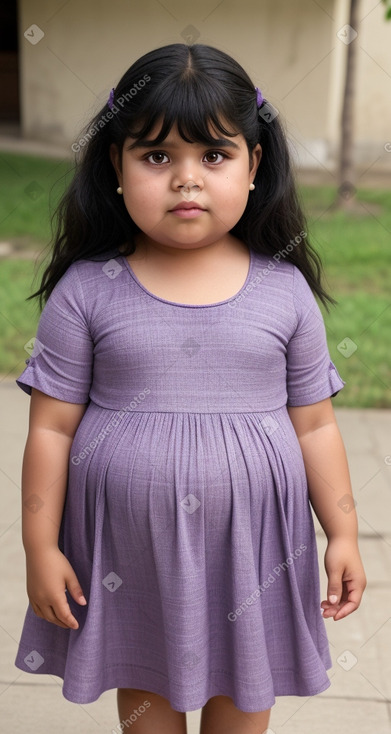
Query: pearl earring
[[119, 190], [252, 187]]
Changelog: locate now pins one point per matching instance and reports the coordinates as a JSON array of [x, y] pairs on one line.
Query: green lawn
[[27, 185], [356, 252]]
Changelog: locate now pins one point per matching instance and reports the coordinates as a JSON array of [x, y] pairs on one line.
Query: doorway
[[9, 66]]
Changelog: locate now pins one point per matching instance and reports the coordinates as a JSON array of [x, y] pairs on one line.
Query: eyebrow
[[220, 143]]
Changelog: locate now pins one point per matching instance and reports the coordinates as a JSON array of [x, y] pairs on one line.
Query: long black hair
[[196, 87]]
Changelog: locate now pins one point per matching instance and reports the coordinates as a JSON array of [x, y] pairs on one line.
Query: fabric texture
[[187, 518]]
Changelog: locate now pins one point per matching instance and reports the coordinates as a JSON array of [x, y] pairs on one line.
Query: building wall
[[290, 49]]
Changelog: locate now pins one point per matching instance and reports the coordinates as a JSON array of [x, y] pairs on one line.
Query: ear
[[255, 159], [115, 158]]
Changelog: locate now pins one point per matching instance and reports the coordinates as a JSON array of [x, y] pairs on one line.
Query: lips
[[186, 205]]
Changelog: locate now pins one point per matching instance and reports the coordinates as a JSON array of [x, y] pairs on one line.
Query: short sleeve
[[311, 375], [61, 361]]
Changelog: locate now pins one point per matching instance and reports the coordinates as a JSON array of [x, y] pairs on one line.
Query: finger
[[63, 613], [334, 587], [66, 620], [347, 608], [47, 614], [327, 605], [59, 611], [74, 587], [351, 604], [51, 617], [331, 611]]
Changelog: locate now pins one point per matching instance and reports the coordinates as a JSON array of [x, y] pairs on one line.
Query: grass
[[27, 185], [355, 250], [356, 253]]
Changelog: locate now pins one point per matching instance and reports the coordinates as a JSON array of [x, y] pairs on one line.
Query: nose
[[188, 179], [190, 189]]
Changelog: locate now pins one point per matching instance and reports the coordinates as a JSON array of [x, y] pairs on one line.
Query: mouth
[[187, 206], [187, 210]]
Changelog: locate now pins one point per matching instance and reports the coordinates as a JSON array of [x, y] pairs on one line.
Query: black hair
[[198, 88]]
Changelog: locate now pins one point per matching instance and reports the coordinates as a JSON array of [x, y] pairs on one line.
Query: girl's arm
[[52, 425], [331, 497]]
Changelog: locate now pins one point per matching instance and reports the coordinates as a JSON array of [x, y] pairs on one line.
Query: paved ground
[[358, 700]]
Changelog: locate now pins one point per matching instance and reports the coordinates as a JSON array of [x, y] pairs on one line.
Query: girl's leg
[[158, 717], [220, 716]]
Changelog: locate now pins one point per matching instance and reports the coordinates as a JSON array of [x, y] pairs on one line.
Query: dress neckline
[[190, 305]]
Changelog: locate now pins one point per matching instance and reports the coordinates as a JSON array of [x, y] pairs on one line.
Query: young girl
[[181, 416]]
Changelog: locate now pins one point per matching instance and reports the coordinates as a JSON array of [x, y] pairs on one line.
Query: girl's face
[[213, 181]]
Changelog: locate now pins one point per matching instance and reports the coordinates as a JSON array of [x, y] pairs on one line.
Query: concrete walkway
[[358, 700]]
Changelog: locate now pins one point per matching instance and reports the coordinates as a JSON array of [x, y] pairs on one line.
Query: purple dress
[[187, 518]]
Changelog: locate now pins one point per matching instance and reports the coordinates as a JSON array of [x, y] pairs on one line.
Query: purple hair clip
[[110, 100], [259, 97]]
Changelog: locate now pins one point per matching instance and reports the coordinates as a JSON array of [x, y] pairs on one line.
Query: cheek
[[140, 196], [232, 199], [234, 183], [235, 192]]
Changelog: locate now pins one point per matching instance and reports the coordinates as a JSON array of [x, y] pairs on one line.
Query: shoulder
[[280, 275], [84, 290], [280, 272], [86, 277], [284, 285]]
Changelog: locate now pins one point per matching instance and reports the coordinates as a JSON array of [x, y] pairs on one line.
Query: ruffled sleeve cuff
[[50, 383], [328, 388]]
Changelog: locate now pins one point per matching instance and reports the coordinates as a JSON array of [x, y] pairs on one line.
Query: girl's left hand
[[346, 578]]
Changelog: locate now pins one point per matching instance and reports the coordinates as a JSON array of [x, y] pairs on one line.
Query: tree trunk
[[346, 172]]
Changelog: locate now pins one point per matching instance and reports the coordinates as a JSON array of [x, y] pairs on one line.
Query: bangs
[[192, 105]]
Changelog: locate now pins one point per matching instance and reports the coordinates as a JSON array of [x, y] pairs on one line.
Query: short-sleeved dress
[[187, 516]]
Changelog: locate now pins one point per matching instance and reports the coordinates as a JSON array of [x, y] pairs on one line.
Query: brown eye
[[157, 158], [213, 155]]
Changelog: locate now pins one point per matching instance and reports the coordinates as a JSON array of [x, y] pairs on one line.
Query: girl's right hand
[[49, 573]]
